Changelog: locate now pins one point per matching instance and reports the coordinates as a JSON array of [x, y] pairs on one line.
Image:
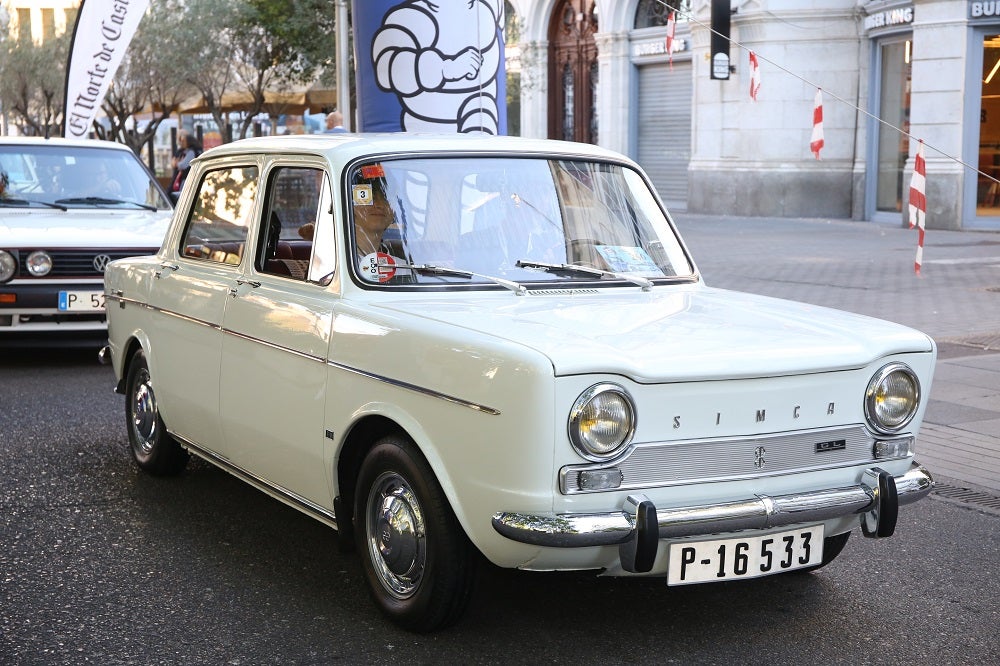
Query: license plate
[[73, 301], [744, 557]]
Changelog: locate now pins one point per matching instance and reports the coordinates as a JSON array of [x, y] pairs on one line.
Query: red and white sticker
[[378, 267]]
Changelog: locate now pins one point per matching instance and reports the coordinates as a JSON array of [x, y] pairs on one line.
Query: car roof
[[342, 148], [58, 141]]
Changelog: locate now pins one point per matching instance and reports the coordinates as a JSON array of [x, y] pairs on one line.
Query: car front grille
[[80, 263], [698, 461]]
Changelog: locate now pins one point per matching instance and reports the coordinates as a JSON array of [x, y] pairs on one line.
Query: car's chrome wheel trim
[[144, 414], [396, 535]]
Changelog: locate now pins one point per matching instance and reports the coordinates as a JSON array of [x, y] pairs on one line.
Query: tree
[[277, 45], [149, 80], [31, 87]]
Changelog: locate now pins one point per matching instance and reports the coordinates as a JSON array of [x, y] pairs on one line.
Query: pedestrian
[[188, 148], [335, 123]]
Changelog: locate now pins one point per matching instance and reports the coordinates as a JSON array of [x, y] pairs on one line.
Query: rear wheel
[[153, 449], [416, 557]]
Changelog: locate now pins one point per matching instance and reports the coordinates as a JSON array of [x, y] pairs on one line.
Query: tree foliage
[[148, 81], [183, 50], [31, 89]]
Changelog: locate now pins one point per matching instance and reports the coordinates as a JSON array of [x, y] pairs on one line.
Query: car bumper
[[638, 527], [34, 308]]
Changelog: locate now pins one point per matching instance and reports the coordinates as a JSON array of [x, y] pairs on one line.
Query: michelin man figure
[[441, 58]]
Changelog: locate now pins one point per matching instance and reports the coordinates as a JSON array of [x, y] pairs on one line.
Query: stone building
[[891, 72]]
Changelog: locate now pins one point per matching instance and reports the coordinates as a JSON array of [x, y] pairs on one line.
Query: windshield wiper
[[19, 203], [458, 272], [104, 201], [645, 283]]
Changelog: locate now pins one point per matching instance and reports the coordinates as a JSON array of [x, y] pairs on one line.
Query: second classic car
[[458, 347], [67, 208]]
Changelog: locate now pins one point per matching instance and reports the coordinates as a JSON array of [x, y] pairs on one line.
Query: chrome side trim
[[294, 352], [320, 359], [170, 313], [757, 513], [418, 389], [295, 501]]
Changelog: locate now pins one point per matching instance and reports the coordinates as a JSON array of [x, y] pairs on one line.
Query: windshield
[[75, 177], [519, 219]]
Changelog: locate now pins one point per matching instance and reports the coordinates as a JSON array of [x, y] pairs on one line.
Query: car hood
[[678, 333], [82, 227]]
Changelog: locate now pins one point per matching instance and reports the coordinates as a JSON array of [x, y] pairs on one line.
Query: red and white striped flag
[[918, 203], [754, 76], [816, 142], [671, 24]]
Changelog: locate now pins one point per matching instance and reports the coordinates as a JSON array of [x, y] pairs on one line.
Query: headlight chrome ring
[[39, 263], [892, 398], [602, 422], [8, 265]]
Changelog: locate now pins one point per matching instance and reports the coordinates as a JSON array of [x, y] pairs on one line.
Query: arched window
[[654, 13]]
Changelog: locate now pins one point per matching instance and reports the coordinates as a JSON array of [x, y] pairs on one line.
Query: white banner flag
[[103, 31]]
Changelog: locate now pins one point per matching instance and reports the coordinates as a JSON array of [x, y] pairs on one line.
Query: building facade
[[892, 72], [38, 20]]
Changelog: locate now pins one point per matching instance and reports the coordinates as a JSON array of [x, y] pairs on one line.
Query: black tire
[[420, 565], [831, 549], [153, 450]]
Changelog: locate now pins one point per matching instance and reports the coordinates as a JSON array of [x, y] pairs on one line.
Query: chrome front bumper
[[638, 527]]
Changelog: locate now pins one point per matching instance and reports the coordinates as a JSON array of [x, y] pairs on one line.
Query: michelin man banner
[[103, 31], [430, 66]]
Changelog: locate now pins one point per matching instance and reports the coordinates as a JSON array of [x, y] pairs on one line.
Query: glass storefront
[[987, 190], [894, 60]]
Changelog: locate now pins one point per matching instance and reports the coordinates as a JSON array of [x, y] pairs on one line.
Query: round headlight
[[8, 266], [39, 263], [892, 398], [602, 421]]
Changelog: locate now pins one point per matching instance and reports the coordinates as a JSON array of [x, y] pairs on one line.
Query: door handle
[[164, 266], [252, 283]]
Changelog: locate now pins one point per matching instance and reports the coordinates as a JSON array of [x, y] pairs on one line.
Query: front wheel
[[416, 557], [153, 449]]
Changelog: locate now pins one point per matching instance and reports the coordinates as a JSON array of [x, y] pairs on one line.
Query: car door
[[190, 296], [277, 331]]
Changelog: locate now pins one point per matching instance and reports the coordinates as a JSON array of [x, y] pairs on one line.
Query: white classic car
[[67, 208], [454, 347]]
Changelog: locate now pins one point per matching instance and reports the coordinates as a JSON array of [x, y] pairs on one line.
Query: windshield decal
[[631, 260]]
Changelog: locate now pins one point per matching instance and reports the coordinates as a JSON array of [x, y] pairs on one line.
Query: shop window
[[894, 108], [987, 191], [654, 13]]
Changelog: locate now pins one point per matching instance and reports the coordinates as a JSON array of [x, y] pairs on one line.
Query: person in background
[[188, 148], [335, 123]]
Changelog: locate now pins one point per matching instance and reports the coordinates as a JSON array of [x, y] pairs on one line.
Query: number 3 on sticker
[[362, 195]]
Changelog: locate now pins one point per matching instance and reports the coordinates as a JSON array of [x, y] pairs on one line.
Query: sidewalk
[[867, 268]]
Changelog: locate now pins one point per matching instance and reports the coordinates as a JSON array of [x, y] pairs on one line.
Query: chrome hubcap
[[396, 536], [144, 414]]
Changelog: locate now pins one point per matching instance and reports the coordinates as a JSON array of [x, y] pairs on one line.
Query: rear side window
[[221, 215], [291, 220]]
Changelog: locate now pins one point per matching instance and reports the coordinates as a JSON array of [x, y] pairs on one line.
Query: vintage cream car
[[454, 347]]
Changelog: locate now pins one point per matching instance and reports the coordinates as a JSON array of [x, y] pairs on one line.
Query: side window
[[290, 222], [220, 216]]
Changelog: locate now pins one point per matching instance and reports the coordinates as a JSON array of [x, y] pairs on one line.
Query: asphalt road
[[100, 564]]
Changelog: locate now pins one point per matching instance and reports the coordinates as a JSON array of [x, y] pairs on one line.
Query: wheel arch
[[361, 438], [130, 347]]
